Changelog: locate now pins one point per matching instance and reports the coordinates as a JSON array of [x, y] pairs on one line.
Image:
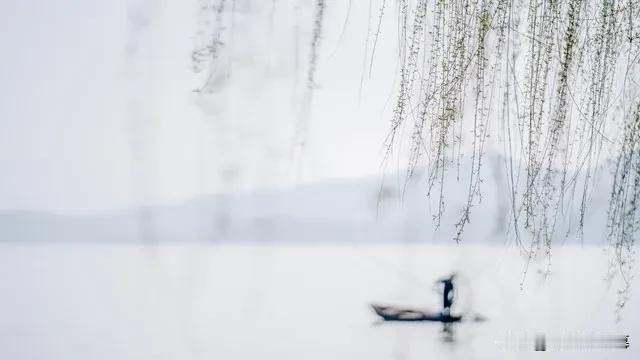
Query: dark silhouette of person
[[448, 294]]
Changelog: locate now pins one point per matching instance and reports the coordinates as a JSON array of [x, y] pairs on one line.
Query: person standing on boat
[[448, 294]]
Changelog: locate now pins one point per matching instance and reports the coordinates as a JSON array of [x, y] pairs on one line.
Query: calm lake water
[[197, 301]]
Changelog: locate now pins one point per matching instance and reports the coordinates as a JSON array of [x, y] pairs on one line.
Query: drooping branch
[[624, 205], [553, 72], [209, 41]]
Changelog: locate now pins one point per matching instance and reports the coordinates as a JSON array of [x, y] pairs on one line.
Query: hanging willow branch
[[208, 41], [624, 204], [315, 43], [553, 72], [305, 107]]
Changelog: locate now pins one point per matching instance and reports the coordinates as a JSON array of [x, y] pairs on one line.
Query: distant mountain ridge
[[357, 211]]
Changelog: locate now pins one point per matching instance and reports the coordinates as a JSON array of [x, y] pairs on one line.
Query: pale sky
[[97, 109]]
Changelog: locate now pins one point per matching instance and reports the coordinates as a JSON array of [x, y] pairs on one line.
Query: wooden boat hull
[[392, 313]]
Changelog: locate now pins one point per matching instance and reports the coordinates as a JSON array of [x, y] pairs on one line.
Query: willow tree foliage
[[554, 83]]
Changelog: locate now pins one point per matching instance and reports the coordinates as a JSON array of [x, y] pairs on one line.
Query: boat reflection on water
[[448, 333]]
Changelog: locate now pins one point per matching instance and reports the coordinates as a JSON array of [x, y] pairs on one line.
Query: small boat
[[393, 313]]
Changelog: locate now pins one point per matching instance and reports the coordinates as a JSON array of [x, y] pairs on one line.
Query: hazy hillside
[[367, 210]]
